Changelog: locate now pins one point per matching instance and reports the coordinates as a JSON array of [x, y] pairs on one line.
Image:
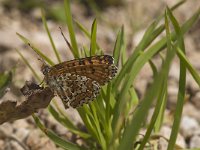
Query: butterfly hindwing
[[75, 90]]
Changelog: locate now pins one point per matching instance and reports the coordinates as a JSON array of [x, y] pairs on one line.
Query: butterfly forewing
[[78, 81], [99, 68]]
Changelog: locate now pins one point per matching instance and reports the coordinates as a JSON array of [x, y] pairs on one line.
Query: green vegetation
[[110, 120]]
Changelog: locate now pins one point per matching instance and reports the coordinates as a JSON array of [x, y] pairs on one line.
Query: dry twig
[[36, 98]]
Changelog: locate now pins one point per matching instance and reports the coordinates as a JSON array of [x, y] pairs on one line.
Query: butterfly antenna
[[68, 44], [44, 68], [39, 57]]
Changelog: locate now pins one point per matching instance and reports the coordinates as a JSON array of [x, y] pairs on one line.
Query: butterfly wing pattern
[[79, 81]]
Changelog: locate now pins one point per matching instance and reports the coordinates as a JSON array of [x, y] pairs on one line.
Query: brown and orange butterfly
[[79, 81]]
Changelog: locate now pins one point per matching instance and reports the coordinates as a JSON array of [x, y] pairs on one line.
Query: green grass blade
[[188, 24], [160, 45], [93, 45], [108, 111], [107, 101], [86, 51], [86, 117], [154, 118], [160, 118], [136, 67], [71, 28], [124, 55], [132, 129], [29, 66], [138, 63], [146, 40], [118, 45], [177, 5], [162, 92], [96, 123], [148, 37], [83, 29], [191, 69], [5, 80], [182, 82], [42, 55], [65, 121], [56, 12], [100, 110], [134, 97], [173, 8], [55, 138], [50, 37], [153, 68]]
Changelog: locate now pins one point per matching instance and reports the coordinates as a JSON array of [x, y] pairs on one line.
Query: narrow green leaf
[[191, 69], [147, 38], [55, 138], [153, 68], [162, 93], [162, 108], [42, 55], [67, 123], [108, 98], [124, 56], [95, 122], [93, 46], [84, 114], [173, 8], [50, 37], [100, 110], [158, 45], [145, 57], [139, 63], [118, 45], [29, 66], [134, 97], [182, 84], [177, 5], [71, 28], [83, 29], [154, 118], [132, 129], [5, 80]]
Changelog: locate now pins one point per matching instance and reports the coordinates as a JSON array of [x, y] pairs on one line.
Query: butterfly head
[[45, 68]]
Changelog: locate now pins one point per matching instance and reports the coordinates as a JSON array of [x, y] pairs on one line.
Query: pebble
[[172, 95], [166, 131], [22, 134], [195, 140], [190, 110], [6, 129], [188, 126], [196, 100], [37, 141]]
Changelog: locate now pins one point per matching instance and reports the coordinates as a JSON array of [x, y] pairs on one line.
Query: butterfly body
[[79, 81]]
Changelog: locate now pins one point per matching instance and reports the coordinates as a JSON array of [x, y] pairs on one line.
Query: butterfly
[[79, 81]]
